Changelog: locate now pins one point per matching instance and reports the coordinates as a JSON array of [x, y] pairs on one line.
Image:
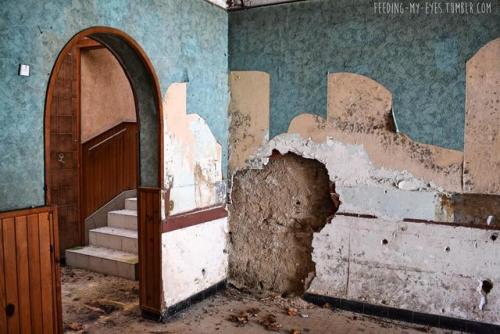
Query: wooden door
[[65, 151], [29, 272]]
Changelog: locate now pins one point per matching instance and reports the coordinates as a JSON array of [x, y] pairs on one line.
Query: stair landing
[[113, 248]]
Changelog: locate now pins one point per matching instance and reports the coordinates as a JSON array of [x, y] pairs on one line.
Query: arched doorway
[[147, 99]]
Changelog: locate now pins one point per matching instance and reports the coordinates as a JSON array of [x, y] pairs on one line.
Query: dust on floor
[[96, 303]]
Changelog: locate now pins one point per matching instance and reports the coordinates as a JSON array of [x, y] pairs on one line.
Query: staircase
[[113, 248]]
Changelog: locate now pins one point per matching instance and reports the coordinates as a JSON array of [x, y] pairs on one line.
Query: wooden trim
[[149, 228], [193, 217], [88, 43], [25, 212]]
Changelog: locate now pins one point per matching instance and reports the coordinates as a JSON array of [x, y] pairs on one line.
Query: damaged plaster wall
[[274, 213], [419, 58], [482, 121], [415, 266], [194, 259], [360, 112], [192, 156], [385, 174]]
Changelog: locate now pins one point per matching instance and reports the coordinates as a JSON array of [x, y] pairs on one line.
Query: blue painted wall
[[419, 58], [185, 39]]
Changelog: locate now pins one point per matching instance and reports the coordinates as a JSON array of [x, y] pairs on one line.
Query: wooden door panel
[[29, 273], [23, 274], [150, 226], [34, 267]]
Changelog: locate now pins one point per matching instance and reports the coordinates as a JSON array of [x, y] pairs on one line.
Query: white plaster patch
[[347, 164], [194, 259], [421, 267]]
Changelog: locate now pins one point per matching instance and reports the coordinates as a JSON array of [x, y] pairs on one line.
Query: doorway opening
[[102, 151]]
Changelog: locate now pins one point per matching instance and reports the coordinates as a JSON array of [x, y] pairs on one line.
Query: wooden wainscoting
[[109, 166], [30, 295], [150, 281]]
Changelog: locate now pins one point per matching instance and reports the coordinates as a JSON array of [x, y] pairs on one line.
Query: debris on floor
[[96, 303]]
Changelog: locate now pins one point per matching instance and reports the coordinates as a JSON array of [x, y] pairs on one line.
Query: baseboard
[[404, 315], [202, 295]]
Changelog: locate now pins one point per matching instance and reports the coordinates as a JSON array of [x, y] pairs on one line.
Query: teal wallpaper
[[419, 58], [186, 40]]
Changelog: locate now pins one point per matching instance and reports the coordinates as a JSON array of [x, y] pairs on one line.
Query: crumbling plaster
[[192, 156], [380, 173]]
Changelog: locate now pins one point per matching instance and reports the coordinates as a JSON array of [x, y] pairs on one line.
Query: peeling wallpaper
[[186, 40], [420, 59]]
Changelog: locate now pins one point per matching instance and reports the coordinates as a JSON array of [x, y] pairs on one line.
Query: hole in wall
[[447, 249], [384, 242], [494, 236], [486, 286], [271, 244]]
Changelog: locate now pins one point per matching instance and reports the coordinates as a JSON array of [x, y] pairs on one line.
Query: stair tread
[[106, 253], [122, 232], [126, 212], [131, 199]]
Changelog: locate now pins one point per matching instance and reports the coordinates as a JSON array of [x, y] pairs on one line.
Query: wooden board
[[29, 272], [150, 229]]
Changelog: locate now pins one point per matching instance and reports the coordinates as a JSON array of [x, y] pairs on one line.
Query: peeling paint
[[359, 112], [192, 156], [482, 121], [248, 115]]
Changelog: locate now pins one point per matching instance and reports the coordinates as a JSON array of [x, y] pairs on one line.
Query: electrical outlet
[[24, 70]]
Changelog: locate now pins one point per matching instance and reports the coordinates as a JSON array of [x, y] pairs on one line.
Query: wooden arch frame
[[149, 196]]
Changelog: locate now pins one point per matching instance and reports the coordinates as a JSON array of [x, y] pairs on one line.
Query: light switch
[[24, 70]]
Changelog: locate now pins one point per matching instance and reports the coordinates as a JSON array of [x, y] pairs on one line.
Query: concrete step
[[123, 219], [131, 203], [104, 260], [114, 238]]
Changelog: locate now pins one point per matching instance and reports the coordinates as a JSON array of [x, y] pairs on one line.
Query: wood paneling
[[64, 149], [150, 284], [194, 217], [109, 166], [29, 269]]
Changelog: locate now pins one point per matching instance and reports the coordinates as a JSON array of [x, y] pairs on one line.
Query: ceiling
[[241, 4]]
